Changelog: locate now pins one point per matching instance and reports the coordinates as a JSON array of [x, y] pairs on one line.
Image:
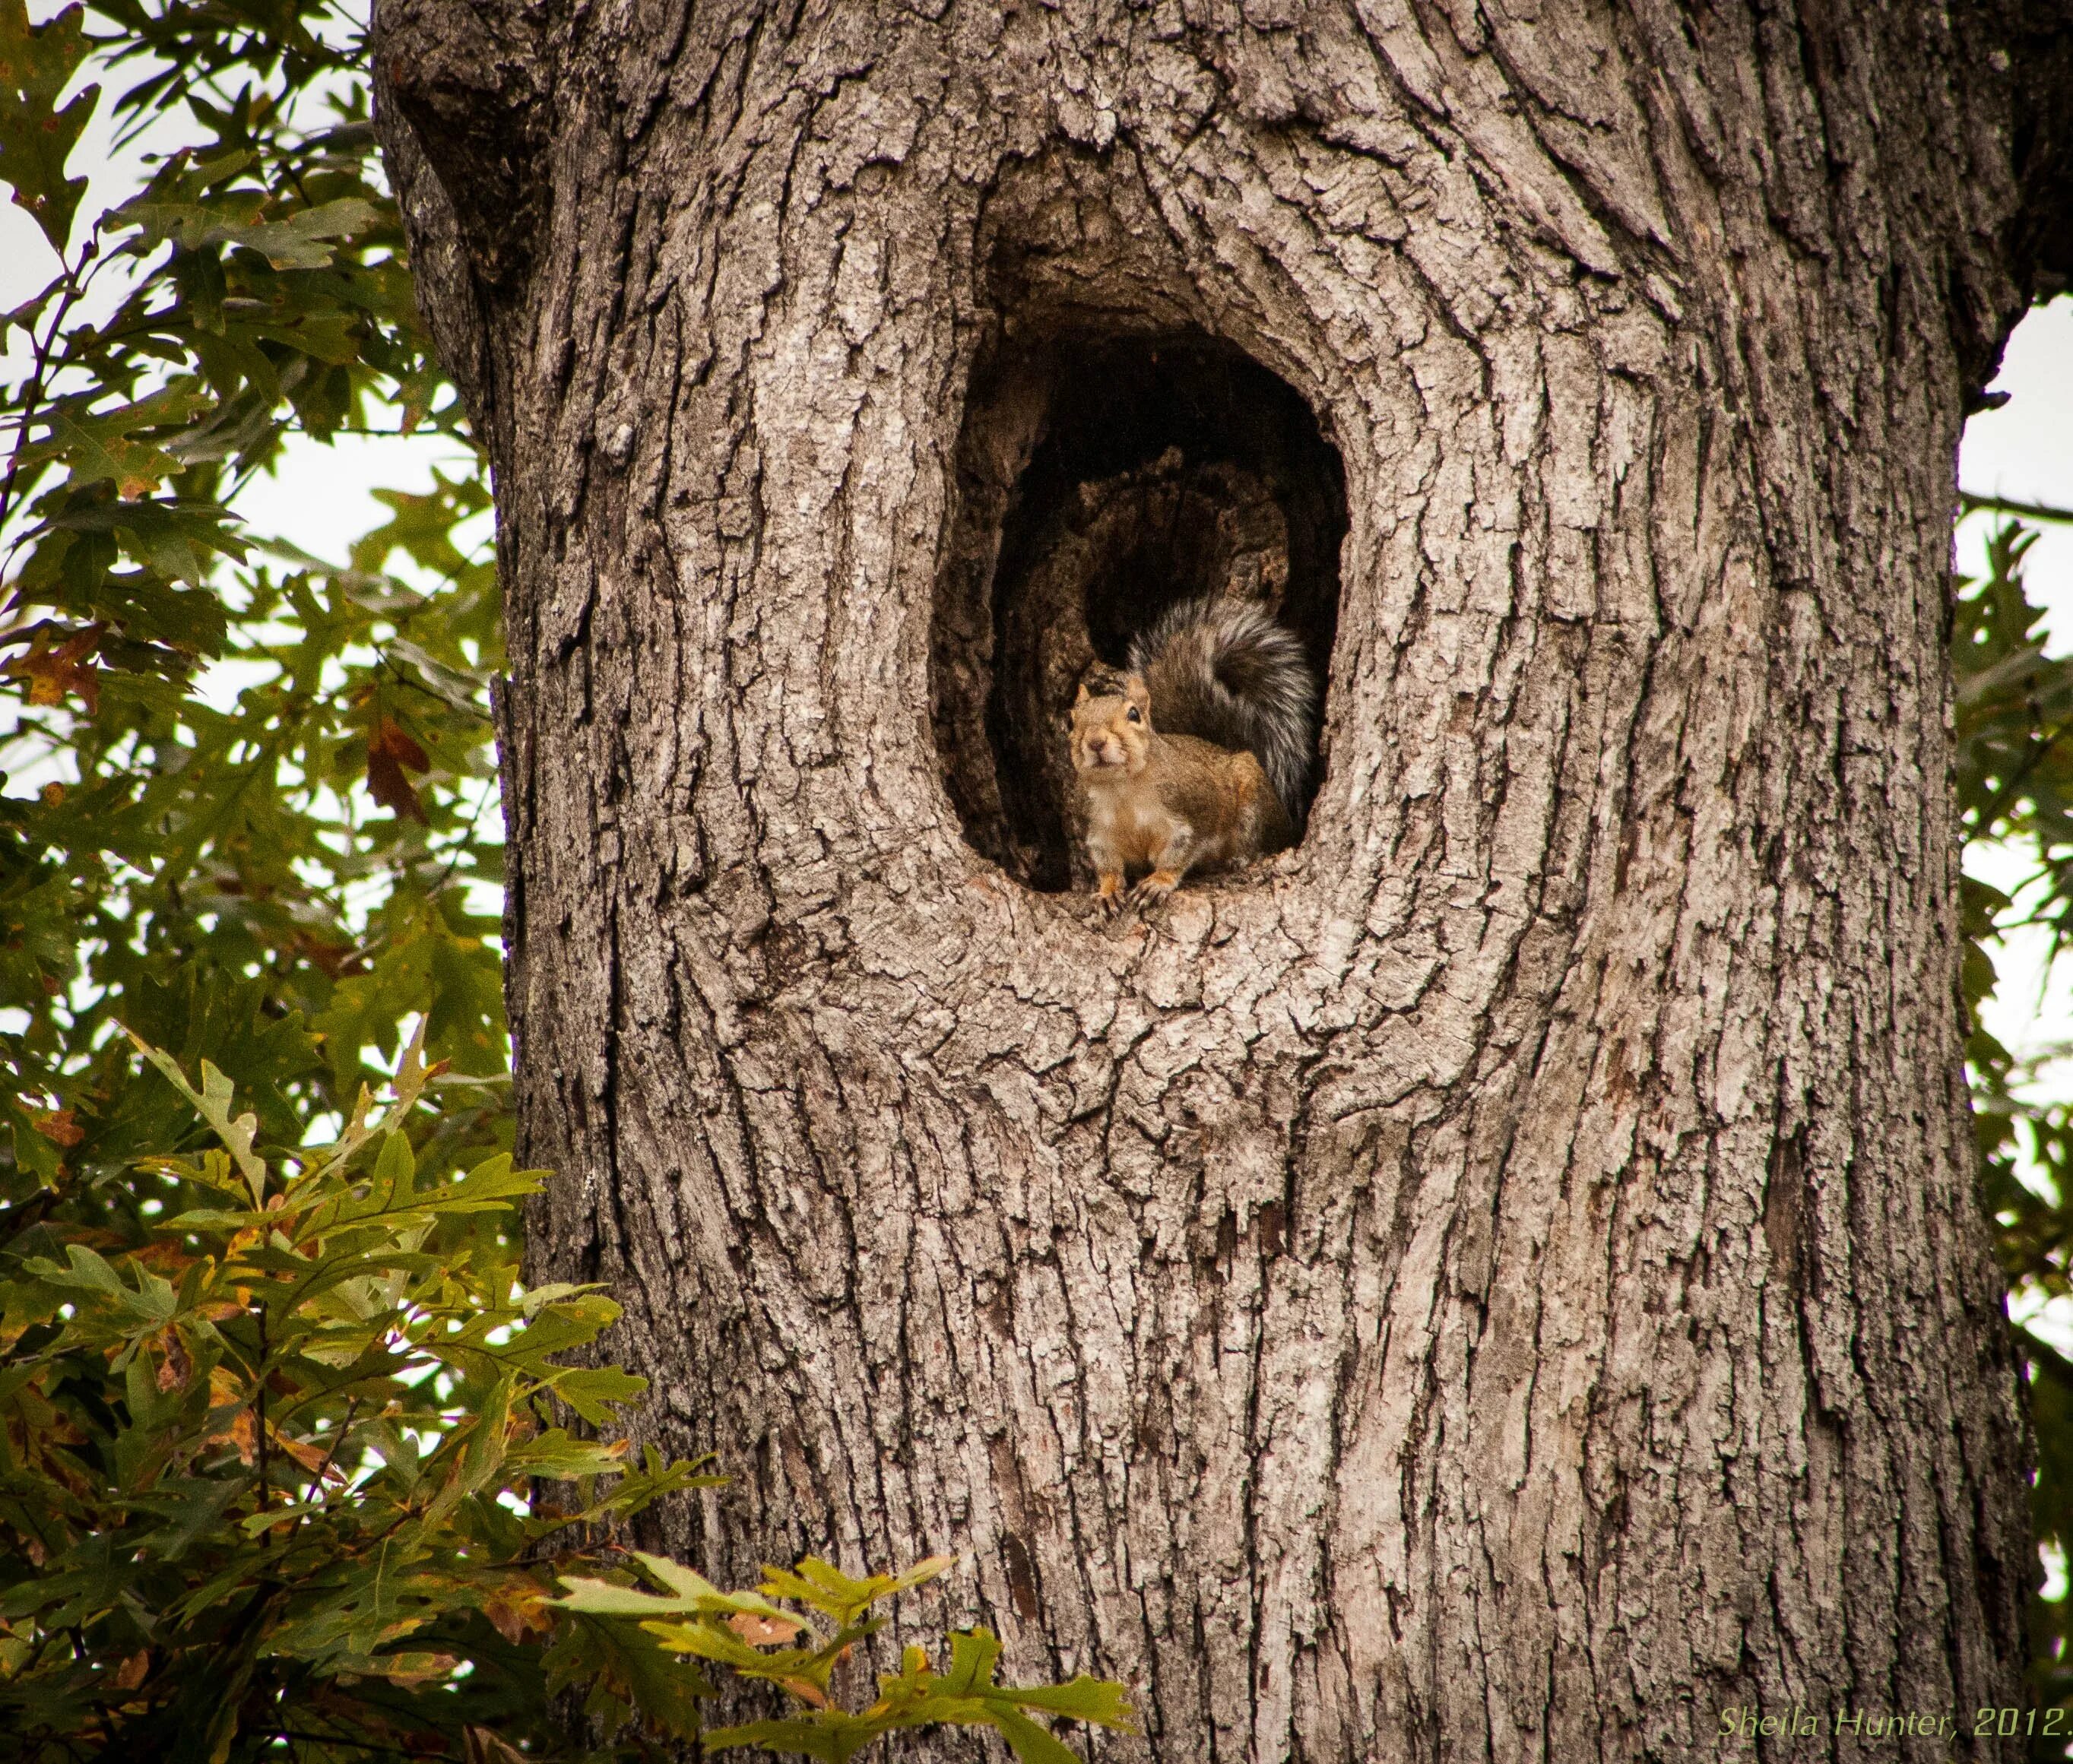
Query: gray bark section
[[1502, 1280]]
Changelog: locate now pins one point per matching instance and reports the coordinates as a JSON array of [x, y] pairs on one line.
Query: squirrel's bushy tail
[[1227, 671]]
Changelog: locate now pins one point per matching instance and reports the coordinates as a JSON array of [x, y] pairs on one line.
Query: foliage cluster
[[280, 1474], [274, 1488], [291, 1463], [2015, 785], [268, 1468]]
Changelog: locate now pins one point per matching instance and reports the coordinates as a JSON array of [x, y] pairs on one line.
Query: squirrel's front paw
[[1155, 887], [1109, 891]]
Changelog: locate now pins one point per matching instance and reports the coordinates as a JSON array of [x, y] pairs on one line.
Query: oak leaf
[[760, 1631], [52, 672], [516, 1606], [58, 1127], [389, 751]]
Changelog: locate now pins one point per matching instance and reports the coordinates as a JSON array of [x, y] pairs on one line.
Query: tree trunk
[[1502, 1279]]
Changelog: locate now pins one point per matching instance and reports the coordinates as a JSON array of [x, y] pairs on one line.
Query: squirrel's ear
[[1081, 697]]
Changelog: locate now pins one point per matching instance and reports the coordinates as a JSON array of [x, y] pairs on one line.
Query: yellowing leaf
[[242, 1433], [58, 1127], [93, 452], [411, 1670], [97, 446], [517, 1606], [67, 667]]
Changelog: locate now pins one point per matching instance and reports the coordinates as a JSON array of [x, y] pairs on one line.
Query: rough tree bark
[[1503, 1280]]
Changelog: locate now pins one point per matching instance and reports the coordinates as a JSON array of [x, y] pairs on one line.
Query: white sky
[[2025, 450]]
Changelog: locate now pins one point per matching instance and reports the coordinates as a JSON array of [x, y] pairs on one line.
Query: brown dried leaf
[[176, 1368], [336, 960], [308, 1456], [52, 672], [58, 1127], [758, 1630], [481, 1746], [389, 751], [515, 1607]]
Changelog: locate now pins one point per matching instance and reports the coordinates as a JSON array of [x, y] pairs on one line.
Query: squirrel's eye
[[1131, 713]]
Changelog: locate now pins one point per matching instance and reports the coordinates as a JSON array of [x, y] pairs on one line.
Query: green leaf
[[594, 1391], [825, 1588], [182, 541], [973, 1655], [799, 1735], [36, 137], [1028, 1741], [617, 1657], [689, 1594], [302, 241], [1099, 1700], [98, 450], [212, 1103]]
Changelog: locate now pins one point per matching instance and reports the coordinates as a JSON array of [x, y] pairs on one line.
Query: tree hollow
[[1102, 478]]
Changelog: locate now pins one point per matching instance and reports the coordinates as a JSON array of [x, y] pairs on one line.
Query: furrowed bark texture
[[1501, 1281]]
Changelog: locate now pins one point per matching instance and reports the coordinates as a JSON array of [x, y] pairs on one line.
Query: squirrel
[[1218, 779]]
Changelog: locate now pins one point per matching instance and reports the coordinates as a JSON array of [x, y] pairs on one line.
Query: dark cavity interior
[[1102, 479]]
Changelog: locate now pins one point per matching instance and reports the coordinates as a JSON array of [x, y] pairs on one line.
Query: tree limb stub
[[469, 76]]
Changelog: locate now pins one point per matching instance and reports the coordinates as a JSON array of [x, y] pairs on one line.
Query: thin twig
[[266, 1491], [1970, 504], [344, 1427], [357, 1745], [2006, 797], [40, 362]]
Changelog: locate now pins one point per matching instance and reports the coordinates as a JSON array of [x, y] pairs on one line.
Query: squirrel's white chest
[[1133, 832]]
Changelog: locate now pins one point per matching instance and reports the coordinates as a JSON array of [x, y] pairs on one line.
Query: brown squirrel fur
[[1228, 671], [1166, 804]]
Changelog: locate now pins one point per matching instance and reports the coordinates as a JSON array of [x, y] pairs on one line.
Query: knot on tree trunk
[[470, 82]]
